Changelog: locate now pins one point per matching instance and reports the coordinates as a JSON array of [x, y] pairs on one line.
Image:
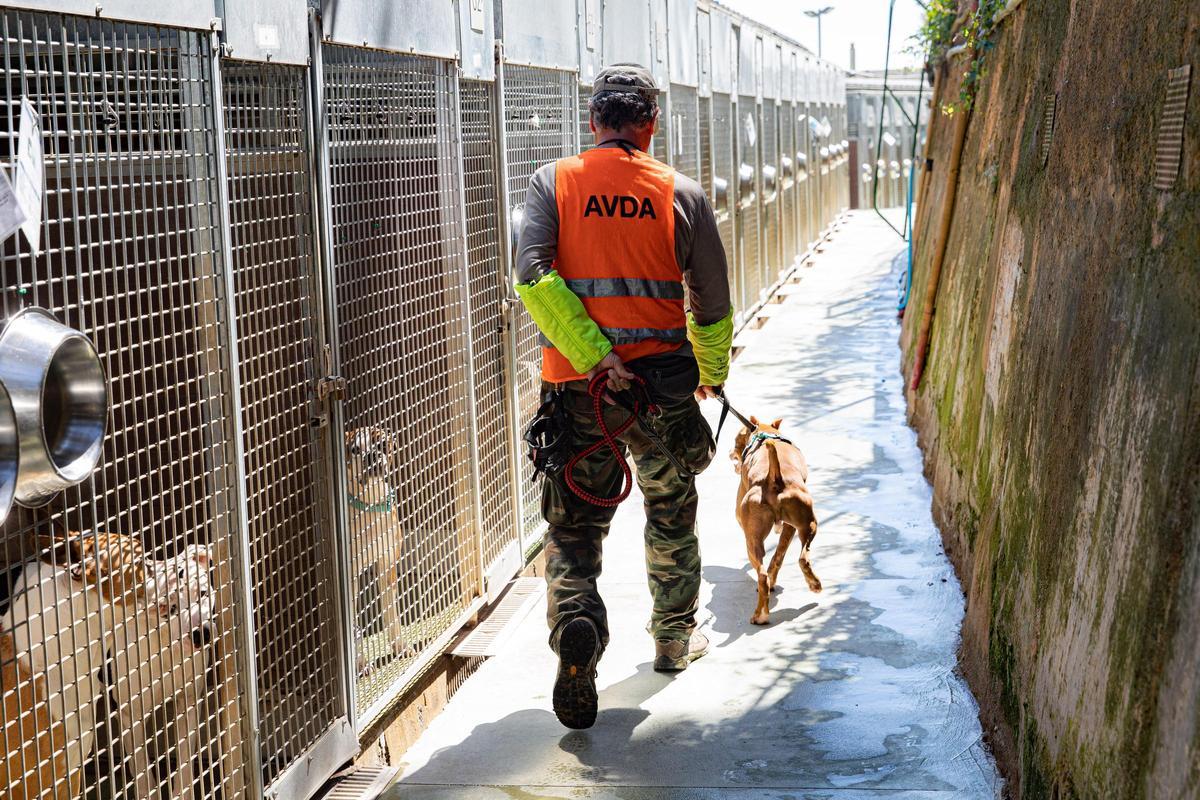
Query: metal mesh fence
[[113, 682], [725, 166], [291, 534], [685, 114], [540, 110], [403, 339], [495, 425], [585, 118], [750, 261], [771, 260], [787, 149]]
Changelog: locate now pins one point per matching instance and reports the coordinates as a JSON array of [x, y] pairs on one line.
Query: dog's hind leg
[[786, 532], [808, 532], [756, 531]]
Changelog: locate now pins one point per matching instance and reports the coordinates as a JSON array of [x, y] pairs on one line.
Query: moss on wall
[[1060, 407]]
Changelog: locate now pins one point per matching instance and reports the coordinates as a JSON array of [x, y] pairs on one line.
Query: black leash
[[726, 408]]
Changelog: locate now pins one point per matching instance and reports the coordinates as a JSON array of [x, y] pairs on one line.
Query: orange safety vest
[[616, 251]]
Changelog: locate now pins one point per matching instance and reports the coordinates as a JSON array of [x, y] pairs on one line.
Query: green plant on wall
[[938, 34], [937, 30]]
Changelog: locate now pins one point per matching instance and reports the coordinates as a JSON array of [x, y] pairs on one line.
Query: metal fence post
[[506, 267], [247, 678], [337, 456]]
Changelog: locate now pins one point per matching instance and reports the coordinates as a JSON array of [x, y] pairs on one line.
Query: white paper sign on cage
[[28, 177]]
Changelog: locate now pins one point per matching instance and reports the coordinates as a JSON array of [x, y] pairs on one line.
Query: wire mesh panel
[[291, 535], [495, 426], [725, 167], [685, 114], [585, 119], [540, 113], [119, 678], [403, 340], [787, 149], [771, 259], [660, 145], [749, 201]]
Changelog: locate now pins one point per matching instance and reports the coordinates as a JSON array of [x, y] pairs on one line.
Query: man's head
[[624, 104]]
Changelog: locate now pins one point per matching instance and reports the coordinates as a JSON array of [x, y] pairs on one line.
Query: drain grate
[[359, 783], [1049, 109], [486, 639], [1170, 131]]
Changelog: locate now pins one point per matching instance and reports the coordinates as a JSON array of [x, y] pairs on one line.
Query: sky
[[863, 22]]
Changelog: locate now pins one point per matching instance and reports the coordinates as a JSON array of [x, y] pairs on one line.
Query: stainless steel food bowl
[[59, 398], [10, 455]]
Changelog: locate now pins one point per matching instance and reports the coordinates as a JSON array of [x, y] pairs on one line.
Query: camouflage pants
[[577, 528]]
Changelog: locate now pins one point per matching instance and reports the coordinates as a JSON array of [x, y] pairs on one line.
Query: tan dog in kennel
[[372, 479], [86, 598]]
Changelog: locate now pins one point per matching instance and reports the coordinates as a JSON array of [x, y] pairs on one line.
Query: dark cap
[[627, 78]]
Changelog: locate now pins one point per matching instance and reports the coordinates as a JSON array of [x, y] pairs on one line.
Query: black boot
[[575, 688]]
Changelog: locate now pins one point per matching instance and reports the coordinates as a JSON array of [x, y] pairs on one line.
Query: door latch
[[331, 386]]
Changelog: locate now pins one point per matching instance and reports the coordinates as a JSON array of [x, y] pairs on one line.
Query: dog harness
[[757, 440]]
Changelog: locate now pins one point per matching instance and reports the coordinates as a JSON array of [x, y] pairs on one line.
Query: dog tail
[[774, 472]]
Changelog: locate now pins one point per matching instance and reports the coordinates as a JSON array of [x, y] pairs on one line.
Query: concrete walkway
[[847, 695]]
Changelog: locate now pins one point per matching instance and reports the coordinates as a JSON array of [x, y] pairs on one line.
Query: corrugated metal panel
[[422, 27], [682, 34], [591, 40], [626, 32], [724, 52], [195, 15], [704, 53], [476, 23], [659, 50], [540, 33], [267, 30], [749, 63]]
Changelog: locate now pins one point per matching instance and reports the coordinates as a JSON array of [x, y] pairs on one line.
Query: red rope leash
[[596, 389]]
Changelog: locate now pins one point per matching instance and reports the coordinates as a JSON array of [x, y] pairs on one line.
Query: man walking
[[613, 242]]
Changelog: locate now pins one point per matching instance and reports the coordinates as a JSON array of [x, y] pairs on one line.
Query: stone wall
[[1060, 409]]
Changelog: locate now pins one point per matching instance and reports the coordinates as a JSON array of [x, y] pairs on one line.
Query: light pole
[[820, 12]]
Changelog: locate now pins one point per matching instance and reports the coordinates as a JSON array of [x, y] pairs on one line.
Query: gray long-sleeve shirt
[[698, 248]]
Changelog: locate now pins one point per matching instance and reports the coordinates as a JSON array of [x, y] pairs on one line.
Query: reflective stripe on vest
[[616, 251]]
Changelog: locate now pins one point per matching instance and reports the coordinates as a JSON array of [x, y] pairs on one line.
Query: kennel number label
[[29, 174]]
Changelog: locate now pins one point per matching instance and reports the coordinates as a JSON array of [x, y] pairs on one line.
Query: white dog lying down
[[97, 596]]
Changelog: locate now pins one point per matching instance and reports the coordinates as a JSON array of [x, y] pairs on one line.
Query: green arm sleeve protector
[[711, 344], [561, 317]]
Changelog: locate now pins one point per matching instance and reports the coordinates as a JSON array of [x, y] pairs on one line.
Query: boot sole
[[575, 698]]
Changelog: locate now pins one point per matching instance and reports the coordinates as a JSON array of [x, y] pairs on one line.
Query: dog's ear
[[753, 419], [777, 424]]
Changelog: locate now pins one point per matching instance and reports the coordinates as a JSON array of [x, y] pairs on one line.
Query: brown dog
[[372, 481], [773, 494]]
